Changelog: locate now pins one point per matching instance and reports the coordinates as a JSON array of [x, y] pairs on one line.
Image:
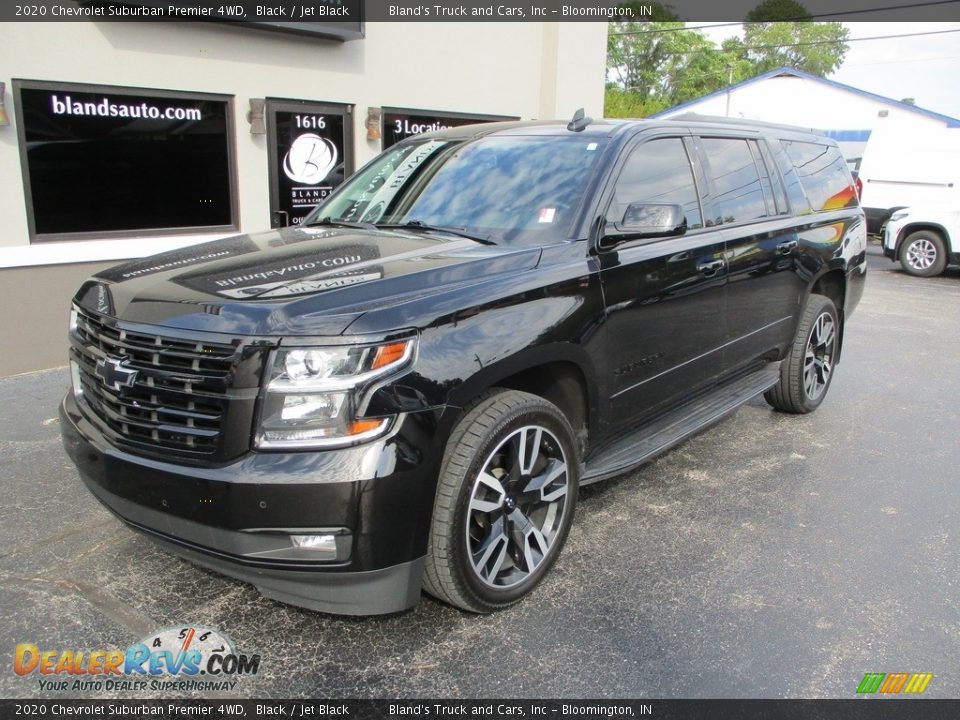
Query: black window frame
[[766, 184], [80, 236], [780, 195]]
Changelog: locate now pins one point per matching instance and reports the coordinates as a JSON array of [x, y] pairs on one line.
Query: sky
[[926, 68]]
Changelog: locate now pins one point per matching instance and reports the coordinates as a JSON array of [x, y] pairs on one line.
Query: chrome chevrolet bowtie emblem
[[114, 374]]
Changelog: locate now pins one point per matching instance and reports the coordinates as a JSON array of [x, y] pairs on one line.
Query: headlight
[[899, 215], [312, 393]]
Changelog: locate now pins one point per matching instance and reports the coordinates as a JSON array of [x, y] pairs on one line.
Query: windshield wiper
[[342, 223], [420, 225]]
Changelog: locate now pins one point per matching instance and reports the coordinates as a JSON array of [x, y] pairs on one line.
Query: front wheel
[[923, 254], [806, 373], [505, 501]]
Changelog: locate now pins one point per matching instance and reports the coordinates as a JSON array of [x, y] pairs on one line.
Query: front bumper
[[889, 236], [237, 518]]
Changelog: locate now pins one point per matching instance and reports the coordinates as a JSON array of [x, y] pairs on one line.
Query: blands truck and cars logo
[[188, 658], [310, 159]]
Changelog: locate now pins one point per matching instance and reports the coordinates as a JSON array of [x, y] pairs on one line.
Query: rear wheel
[[505, 501], [923, 254], [806, 373]]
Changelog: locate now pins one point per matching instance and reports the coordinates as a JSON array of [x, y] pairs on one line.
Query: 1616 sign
[[311, 159]]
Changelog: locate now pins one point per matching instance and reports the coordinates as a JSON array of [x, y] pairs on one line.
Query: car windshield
[[504, 189]]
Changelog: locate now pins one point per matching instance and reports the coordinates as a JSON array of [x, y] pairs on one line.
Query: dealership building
[[120, 140], [847, 114]]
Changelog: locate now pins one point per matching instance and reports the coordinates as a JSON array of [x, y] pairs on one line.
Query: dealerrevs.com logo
[[894, 683], [173, 659]]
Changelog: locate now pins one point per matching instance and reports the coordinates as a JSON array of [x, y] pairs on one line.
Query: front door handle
[[786, 246], [709, 268]]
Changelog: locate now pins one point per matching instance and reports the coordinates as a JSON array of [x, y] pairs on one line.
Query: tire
[[806, 374], [501, 518], [923, 254]]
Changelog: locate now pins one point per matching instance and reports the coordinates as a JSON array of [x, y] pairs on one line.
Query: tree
[[778, 11], [653, 65], [700, 69], [781, 33], [661, 63], [638, 51], [620, 103]]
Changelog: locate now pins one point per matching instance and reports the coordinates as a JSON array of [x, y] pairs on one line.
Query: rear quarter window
[[823, 173]]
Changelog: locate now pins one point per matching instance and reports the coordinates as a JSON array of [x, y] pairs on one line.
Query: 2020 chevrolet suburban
[[407, 390]]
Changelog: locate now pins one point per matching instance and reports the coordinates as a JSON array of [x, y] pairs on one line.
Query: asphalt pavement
[[770, 556]]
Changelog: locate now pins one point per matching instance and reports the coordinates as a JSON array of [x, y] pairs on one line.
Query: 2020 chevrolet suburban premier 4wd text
[[407, 390]]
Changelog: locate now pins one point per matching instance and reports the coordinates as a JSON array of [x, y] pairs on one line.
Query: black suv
[[407, 390]]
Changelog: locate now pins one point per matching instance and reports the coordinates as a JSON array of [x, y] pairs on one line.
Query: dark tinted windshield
[[510, 189]]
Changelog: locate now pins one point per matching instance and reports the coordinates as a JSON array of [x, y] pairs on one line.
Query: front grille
[[178, 398]]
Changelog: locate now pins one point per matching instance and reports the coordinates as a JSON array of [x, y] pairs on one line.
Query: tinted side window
[[823, 173], [798, 199], [737, 193], [657, 172]]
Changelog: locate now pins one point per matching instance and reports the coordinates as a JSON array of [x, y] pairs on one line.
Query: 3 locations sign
[[312, 152], [399, 124]]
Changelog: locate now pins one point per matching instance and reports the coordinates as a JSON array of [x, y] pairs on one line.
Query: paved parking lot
[[771, 556]]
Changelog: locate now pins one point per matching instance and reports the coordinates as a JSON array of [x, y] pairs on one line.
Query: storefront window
[[399, 124], [121, 161]]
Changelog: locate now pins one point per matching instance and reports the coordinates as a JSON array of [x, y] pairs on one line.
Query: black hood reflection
[[308, 280]]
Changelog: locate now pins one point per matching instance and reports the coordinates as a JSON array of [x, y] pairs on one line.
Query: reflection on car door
[[761, 247], [664, 297]]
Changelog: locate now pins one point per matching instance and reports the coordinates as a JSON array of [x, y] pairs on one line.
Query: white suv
[[922, 239]]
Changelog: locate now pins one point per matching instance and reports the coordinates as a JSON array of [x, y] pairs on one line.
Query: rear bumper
[[375, 500], [856, 280]]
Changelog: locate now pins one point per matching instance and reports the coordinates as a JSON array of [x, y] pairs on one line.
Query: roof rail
[[717, 119]]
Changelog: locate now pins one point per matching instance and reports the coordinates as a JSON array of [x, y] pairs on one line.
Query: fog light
[[316, 543]]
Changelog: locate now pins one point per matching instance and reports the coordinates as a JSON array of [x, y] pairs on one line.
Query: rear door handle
[[786, 246], [709, 268]]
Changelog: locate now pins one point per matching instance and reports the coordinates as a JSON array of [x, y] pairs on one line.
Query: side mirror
[[646, 220]]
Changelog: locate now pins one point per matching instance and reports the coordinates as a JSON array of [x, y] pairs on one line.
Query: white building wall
[[579, 71], [530, 70]]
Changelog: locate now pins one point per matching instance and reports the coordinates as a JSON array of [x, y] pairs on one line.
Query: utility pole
[[729, 83]]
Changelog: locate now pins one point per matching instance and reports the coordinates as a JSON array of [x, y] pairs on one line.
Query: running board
[[665, 432]]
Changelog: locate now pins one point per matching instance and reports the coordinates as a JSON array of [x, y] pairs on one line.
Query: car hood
[[312, 281]]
